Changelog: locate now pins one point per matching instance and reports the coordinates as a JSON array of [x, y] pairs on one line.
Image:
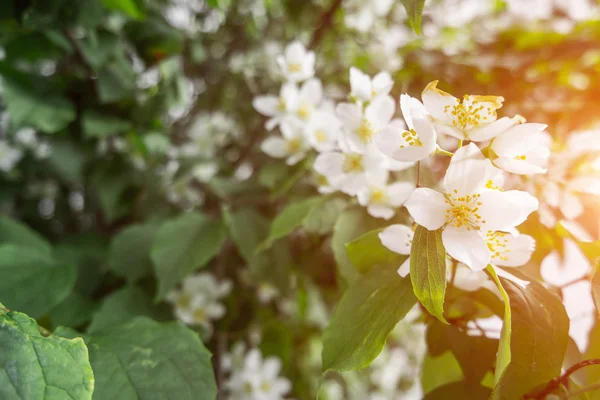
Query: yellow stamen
[[353, 163]]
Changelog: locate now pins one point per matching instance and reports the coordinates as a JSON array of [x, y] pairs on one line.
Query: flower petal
[[330, 164], [399, 192], [404, 269], [411, 108], [502, 211], [266, 105], [427, 207], [275, 147], [489, 131], [312, 91], [467, 247], [380, 211], [436, 102], [397, 238], [380, 111], [382, 84], [517, 252], [350, 115], [360, 84]]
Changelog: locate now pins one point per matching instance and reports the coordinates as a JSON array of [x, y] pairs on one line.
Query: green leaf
[[17, 233], [67, 159], [414, 11], [36, 105], [96, 125], [116, 81], [248, 228], [322, 218], [32, 281], [440, 370], [36, 367], [122, 306], [365, 316], [503, 357], [350, 225], [293, 216], [539, 337], [133, 8], [428, 270], [596, 287], [182, 245], [459, 390], [75, 310], [475, 354], [147, 360], [367, 251], [129, 254]]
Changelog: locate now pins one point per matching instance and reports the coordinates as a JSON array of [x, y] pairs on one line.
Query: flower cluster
[[198, 301]]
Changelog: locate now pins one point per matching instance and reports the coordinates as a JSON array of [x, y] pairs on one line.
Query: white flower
[[381, 199], [472, 118], [197, 303], [363, 88], [206, 171], [258, 379], [323, 131], [42, 151], [414, 144], [363, 19], [522, 149], [398, 238], [296, 63], [470, 207], [360, 128], [278, 108], [509, 250], [310, 96], [26, 137], [292, 146], [9, 156], [349, 171]]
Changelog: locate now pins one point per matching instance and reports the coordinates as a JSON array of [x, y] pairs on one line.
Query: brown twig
[[326, 22], [560, 380]]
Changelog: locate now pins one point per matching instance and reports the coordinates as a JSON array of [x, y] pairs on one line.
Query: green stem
[[444, 152]]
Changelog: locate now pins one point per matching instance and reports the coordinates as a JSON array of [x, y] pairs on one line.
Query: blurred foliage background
[[129, 158]]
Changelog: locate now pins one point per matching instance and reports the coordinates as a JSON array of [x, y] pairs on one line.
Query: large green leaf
[[182, 245], [248, 228], [293, 216], [428, 270], [96, 125], [350, 225], [364, 318], [414, 11], [74, 311], [34, 103], [33, 367], [322, 218], [367, 251], [539, 337], [32, 281], [459, 390], [14, 232], [148, 360], [122, 306], [439, 370], [129, 254], [133, 8]]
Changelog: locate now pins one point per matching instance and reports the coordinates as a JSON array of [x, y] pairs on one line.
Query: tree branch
[[326, 22], [560, 380]]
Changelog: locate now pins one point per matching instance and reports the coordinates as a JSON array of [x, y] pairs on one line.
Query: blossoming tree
[[263, 200]]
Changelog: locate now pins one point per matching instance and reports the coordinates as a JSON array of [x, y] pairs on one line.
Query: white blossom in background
[[278, 108], [349, 171], [360, 127], [361, 15], [291, 146], [522, 149], [296, 64], [198, 302], [398, 238], [470, 207], [323, 131], [9, 156], [257, 379], [364, 88], [577, 297], [382, 199], [208, 133]]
